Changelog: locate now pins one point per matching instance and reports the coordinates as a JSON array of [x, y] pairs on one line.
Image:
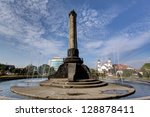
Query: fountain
[[73, 79]]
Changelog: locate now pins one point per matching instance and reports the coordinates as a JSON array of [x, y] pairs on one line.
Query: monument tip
[[72, 12]]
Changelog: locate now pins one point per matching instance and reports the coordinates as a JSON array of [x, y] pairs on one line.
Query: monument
[[73, 67], [72, 79]]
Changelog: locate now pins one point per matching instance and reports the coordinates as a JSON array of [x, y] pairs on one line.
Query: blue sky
[[33, 31]]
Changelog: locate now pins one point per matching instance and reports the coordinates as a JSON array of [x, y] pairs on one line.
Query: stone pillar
[[73, 51], [73, 67], [72, 30]]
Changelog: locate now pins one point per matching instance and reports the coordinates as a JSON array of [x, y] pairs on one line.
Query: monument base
[[72, 68], [75, 70], [61, 89]]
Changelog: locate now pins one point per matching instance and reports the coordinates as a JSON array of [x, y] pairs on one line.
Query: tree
[[43, 69], [146, 70], [2, 67], [51, 71], [46, 70], [146, 66], [94, 73], [31, 69], [12, 70], [127, 73]]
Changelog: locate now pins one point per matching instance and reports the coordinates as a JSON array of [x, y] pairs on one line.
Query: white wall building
[[104, 67]]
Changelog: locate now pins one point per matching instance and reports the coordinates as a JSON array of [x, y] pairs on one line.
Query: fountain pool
[[142, 89]]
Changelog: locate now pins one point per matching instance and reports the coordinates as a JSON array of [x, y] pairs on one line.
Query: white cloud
[[7, 31], [122, 44], [21, 21], [129, 39], [93, 44], [42, 25], [92, 22], [117, 46], [137, 63]]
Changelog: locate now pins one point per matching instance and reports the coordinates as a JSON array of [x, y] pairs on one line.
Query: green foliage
[[46, 70], [146, 70], [3, 67], [28, 70], [43, 69], [51, 70], [128, 72], [94, 73], [146, 66], [146, 74], [31, 69], [20, 71]]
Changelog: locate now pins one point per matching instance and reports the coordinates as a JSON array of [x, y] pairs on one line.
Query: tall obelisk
[[72, 30], [76, 69], [73, 52], [73, 67]]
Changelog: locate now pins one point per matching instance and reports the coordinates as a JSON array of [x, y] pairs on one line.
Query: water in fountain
[[119, 74]]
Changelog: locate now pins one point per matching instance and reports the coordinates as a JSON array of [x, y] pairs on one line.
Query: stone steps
[[84, 83], [78, 84]]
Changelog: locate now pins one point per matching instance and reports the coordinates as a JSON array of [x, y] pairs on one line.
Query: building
[[10, 66], [122, 67], [104, 66], [55, 62]]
